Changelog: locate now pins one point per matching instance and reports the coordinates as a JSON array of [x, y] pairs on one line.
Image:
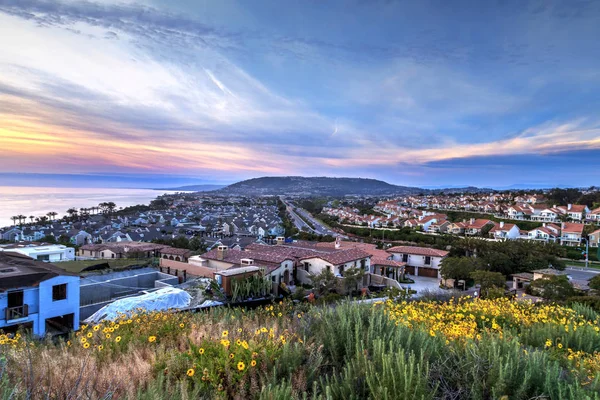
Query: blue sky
[[426, 93]]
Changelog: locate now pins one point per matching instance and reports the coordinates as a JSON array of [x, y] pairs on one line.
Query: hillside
[[318, 186], [460, 349], [195, 188]]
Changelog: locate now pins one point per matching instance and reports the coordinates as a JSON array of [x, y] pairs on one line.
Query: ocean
[[38, 201]]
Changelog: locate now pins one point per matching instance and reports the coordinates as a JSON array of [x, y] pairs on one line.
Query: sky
[[418, 93]]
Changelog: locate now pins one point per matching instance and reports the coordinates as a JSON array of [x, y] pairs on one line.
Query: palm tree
[[43, 220], [21, 217], [52, 215], [14, 219], [72, 212], [31, 218], [110, 206]]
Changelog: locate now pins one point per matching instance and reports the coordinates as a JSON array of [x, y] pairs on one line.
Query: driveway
[[423, 283]]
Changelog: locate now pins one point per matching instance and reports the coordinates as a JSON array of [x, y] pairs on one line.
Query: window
[[59, 292], [43, 257], [427, 260], [404, 257]]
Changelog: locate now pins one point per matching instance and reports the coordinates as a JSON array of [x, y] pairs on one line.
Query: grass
[[592, 264], [458, 349], [79, 265]]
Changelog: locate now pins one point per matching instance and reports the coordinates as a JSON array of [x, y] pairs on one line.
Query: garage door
[[428, 272], [409, 270]]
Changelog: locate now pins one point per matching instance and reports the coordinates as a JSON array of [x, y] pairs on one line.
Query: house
[[81, 238], [457, 228], [420, 261], [594, 215], [275, 263], [594, 238], [575, 212], [439, 227], [477, 226], [336, 262], [522, 279], [503, 230], [571, 234], [42, 251], [121, 250], [172, 253], [518, 212], [546, 214], [36, 295], [12, 234], [545, 233]]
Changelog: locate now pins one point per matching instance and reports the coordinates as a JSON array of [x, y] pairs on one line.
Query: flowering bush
[[465, 348]]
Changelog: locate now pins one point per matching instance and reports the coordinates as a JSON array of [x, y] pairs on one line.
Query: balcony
[[12, 313]]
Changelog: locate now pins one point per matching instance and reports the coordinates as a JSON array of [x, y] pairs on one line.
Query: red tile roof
[[573, 227], [420, 251], [340, 256]]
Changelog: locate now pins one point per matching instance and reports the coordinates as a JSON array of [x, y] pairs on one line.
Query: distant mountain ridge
[[195, 188], [321, 186]]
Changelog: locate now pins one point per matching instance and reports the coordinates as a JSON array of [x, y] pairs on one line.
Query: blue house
[[37, 296]]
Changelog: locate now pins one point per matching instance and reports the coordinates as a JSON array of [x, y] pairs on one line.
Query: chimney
[[544, 224], [221, 251], [569, 206], [472, 221], [501, 224], [337, 242], [562, 226], [280, 240]]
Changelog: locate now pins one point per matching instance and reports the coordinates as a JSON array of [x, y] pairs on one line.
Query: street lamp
[[587, 252]]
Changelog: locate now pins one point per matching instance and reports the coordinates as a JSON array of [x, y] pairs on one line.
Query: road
[[581, 274], [298, 214]]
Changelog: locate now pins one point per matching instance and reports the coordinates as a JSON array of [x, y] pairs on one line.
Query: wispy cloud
[[105, 86]]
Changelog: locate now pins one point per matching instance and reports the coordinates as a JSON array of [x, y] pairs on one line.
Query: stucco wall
[[50, 308], [191, 269]]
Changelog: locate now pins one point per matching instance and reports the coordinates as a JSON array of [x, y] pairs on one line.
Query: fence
[[174, 267]]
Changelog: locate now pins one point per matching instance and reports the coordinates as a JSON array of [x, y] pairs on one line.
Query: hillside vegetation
[[462, 349], [317, 186]]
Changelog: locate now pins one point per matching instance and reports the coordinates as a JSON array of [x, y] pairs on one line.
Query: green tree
[[49, 239], [488, 280], [324, 282], [196, 244], [554, 288], [458, 267], [352, 277], [595, 283]]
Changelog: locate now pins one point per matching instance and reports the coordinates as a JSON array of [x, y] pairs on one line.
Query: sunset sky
[[421, 93]]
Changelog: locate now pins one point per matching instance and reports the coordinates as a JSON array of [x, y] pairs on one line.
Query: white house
[[571, 234], [546, 215], [37, 296], [337, 262], [42, 252], [421, 261], [543, 233], [505, 231], [575, 212], [594, 238], [594, 215]]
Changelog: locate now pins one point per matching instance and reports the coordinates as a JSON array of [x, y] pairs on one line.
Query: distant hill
[[318, 186], [195, 188]]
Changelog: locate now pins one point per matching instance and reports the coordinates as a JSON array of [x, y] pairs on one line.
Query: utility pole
[[587, 252]]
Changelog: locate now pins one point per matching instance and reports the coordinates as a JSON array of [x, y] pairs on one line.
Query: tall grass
[[283, 351]]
